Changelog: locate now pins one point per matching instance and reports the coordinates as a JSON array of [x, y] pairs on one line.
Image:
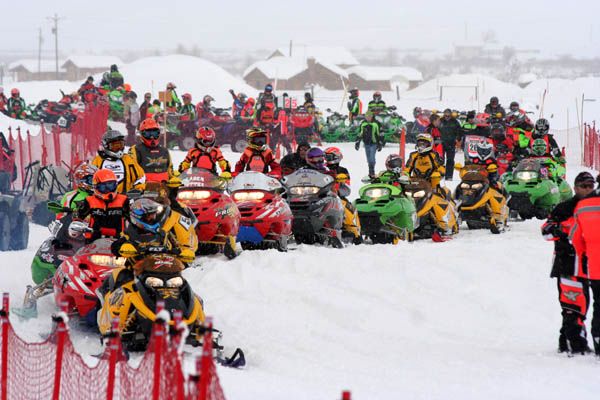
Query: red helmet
[[205, 138], [187, 96], [105, 184], [251, 101], [14, 92], [333, 155], [150, 132], [83, 177]]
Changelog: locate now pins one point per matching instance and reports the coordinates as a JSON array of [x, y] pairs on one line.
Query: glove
[[128, 250], [357, 145], [226, 175], [379, 146], [177, 173], [187, 256], [231, 91]]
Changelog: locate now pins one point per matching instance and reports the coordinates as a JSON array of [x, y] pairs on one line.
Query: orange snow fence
[[591, 147]]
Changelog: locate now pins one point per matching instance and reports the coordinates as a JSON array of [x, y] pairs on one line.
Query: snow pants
[[573, 295], [449, 154]]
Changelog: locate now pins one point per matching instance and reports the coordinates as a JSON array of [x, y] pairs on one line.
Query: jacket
[[156, 162], [105, 218], [263, 161], [206, 160], [369, 133], [292, 162], [585, 235], [422, 165], [354, 107], [130, 175], [450, 131], [376, 107]]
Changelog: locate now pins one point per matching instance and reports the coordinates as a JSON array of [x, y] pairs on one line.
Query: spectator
[[371, 137], [451, 134], [147, 103]]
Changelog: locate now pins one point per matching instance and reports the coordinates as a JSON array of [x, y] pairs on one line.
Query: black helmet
[[113, 68], [494, 101], [485, 150], [514, 106], [471, 115], [497, 131]]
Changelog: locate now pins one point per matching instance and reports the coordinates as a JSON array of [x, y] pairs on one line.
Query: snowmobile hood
[[307, 177], [252, 180], [202, 178]]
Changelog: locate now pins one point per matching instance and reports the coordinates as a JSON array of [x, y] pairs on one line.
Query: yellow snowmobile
[[436, 210], [481, 205], [132, 296]]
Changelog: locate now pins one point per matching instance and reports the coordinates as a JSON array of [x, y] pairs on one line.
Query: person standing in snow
[[494, 107], [450, 130], [172, 101], [572, 281], [370, 135], [585, 236], [354, 105]]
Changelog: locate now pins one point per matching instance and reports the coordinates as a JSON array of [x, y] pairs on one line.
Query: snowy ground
[[475, 317]]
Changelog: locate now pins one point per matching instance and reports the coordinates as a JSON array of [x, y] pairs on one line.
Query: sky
[[554, 27]]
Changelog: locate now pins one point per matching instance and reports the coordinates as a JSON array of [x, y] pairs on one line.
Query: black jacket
[[564, 253], [451, 131], [494, 110], [291, 163]]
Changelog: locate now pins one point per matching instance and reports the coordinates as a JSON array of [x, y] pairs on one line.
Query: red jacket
[[585, 234], [261, 161]]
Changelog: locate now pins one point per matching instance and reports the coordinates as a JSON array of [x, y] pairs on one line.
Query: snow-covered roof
[[371, 73], [93, 61], [337, 55], [286, 67], [526, 78], [31, 65]]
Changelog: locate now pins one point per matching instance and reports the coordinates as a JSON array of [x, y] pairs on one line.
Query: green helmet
[[538, 148]]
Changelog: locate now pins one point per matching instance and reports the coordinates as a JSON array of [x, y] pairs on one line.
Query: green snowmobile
[[391, 125], [386, 214], [115, 101], [535, 186], [335, 128]]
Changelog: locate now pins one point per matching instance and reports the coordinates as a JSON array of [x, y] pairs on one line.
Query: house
[[384, 78], [334, 55], [80, 67], [32, 69], [295, 73]]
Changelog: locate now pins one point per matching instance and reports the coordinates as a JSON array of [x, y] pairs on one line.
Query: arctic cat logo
[[156, 161], [571, 295]]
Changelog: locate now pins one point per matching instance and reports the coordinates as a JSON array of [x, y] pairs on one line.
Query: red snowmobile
[[266, 218], [56, 112], [218, 216], [303, 125]]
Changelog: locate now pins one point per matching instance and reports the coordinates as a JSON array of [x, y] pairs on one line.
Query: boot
[[597, 345], [562, 343]]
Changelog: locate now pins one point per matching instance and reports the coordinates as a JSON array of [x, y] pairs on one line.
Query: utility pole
[[40, 40], [55, 19]]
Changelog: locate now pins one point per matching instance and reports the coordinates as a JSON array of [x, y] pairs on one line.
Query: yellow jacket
[[129, 173], [423, 165]]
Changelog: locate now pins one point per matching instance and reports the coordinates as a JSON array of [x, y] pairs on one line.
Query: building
[[295, 73], [32, 69], [334, 55], [80, 67], [384, 78]]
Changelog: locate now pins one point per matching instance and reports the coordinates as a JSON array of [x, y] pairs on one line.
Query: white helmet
[[424, 142]]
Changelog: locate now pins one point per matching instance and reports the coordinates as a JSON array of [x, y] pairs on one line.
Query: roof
[[337, 55], [31, 65], [286, 67], [370, 73], [93, 61]]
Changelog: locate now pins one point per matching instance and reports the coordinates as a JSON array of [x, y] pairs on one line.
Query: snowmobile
[[57, 113], [438, 217], [481, 206], [354, 129], [303, 125], [386, 214], [534, 190], [266, 219], [117, 108], [391, 124], [156, 277], [318, 211], [218, 216], [180, 130], [504, 159], [335, 128]]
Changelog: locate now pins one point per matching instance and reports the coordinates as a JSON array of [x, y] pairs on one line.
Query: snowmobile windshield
[[252, 180], [531, 169], [202, 178], [307, 177]]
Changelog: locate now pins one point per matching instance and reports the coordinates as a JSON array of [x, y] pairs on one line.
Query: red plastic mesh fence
[[57, 146], [591, 147], [54, 370]]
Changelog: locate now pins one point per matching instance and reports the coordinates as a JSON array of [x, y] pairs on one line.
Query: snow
[[278, 67], [337, 55], [31, 65], [89, 61], [461, 319], [375, 73]]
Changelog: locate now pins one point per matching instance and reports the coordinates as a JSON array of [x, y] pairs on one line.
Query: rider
[[16, 105], [115, 78], [393, 173], [83, 177], [247, 113], [485, 157], [498, 136], [377, 105], [434, 130], [494, 107], [130, 175], [315, 160], [239, 102], [154, 159], [354, 104], [187, 109], [423, 162], [203, 108], [309, 103], [172, 101], [106, 209], [333, 156], [266, 108], [542, 131], [205, 154], [294, 161], [258, 156]]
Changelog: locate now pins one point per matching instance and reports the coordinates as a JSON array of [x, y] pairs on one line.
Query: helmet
[[514, 106], [113, 144], [502, 148], [205, 138], [90, 79], [206, 100], [333, 155], [494, 101], [516, 118], [471, 114], [485, 150], [127, 87], [14, 92], [377, 96], [171, 85], [150, 132], [174, 182], [113, 68], [497, 132], [542, 126], [417, 111], [268, 88], [393, 163], [251, 101], [354, 92], [315, 157], [83, 177], [424, 142], [105, 184], [538, 148], [148, 214], [308, 96], [492, 169], [242, 97], [257, 138], [187, 96]]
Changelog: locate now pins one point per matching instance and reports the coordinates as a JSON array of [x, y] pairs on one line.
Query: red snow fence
[[591, 146], [54, 370], [57, 146]]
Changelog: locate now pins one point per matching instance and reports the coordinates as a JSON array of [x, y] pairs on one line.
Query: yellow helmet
[[492, 169], [174, 182], [257, 138]]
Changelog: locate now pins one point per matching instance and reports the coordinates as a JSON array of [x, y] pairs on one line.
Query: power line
[[55, 19]]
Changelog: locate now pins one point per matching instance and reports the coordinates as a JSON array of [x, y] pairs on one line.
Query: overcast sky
[[551, 26]]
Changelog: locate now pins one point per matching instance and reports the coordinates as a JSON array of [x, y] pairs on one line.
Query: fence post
[[402, 142], [20, 139], [43, 133], [4, 322], [159, 338], [61, 336], [176, 340], [346, 395], [114, 353], [206, 361]]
